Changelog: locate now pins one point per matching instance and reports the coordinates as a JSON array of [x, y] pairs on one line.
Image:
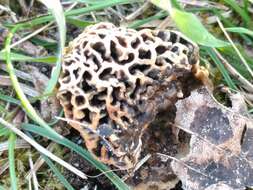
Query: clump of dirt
[[160, 137], [83, 165], [100, 182]]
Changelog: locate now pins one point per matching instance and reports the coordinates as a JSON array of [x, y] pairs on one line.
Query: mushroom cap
[[115, 80]]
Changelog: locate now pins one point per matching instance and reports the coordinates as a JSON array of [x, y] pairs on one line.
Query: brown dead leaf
[[221, 151]]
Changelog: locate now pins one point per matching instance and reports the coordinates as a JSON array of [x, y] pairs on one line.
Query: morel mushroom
[[114, 81]]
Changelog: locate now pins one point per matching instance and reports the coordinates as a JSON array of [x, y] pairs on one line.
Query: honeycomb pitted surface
[[114, 81]]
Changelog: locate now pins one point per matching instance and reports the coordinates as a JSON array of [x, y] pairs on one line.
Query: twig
[[42, 149], [235, 48]]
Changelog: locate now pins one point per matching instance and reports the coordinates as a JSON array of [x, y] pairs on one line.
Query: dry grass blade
[[6, 81], [212, 19], [42, 149], [235, 48], [31, 35], [184, 164], [247, 85], [249, 96], [204, 4], [29, 184], [34, 177], [137, 167], [21, 74], [38, 30], [139, 11], [39, 162], [8, 10], [165, 23], [141, 162], [20, 143], [88, 128], [4, 167]]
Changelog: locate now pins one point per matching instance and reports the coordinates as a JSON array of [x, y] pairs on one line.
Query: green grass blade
[[57, 173], [240, 30], [245, 16], [228, 23], [190, 25], [4, 131], [233, 59], [55, 120], [87, 1], [9, 99], [176, 4], [79, 150], [49, 45], [100, 6], [78, 22], [138, 23], [229, 51], [221, 67], [57, 11], [76, 12], [20, 57], [11, 148], [2, 109], [24, 101]]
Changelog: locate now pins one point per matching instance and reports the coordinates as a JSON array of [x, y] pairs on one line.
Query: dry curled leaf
[[221, 151]]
